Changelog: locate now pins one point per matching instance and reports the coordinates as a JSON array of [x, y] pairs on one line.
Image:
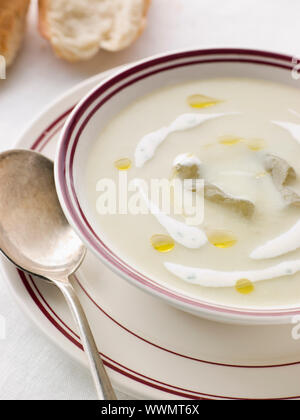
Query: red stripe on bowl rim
[[69, 142]]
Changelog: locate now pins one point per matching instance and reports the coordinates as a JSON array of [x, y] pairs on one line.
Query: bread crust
[[43, 23], [49, 32], [12, 25]]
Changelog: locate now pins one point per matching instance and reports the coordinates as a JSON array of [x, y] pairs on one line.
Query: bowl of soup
[[182, 173]]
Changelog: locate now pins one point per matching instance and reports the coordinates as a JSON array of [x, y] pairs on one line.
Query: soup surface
[[241, 138]]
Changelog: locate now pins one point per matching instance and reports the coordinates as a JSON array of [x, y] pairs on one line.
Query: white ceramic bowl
[[113, 95]]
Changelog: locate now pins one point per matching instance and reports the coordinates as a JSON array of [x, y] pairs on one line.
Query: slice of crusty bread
[[78, 29], [12, 25]]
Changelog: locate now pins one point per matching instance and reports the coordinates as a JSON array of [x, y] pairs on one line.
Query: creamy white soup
[[241, 138]]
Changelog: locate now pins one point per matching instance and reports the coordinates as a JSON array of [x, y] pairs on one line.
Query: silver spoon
[[36, 237]]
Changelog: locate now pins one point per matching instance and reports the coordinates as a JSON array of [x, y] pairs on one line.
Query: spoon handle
[[101, 379]]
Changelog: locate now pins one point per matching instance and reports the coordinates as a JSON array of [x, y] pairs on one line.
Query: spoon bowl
[[34, 230], [37, 238]]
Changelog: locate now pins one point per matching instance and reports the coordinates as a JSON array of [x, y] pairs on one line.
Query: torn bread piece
[[12, 27], [215, 194], [280, 169], [78, 29], [188, 167], [282, 173]]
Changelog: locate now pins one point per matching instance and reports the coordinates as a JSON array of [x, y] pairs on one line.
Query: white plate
[[152, 350]]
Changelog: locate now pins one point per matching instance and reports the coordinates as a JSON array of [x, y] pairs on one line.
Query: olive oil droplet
[[230, 140], [221, 238], [244, 286], [256, 144], [123, 164], [201, 101], [162, 243]]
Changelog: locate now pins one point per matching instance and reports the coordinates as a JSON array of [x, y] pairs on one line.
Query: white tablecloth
[[30, 366]]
